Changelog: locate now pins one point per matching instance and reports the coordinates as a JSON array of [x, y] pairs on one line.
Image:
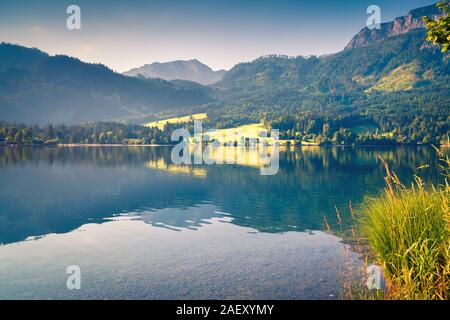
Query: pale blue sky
[[127, 33]]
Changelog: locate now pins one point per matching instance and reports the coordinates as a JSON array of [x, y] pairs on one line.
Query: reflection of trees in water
[[56, 190], [114, 156], [95, 156], [310, 182]]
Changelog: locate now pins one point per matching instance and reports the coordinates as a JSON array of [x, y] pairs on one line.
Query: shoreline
[[71, 145], [93, 145]]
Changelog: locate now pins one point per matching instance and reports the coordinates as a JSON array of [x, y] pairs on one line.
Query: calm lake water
[[139, 226]]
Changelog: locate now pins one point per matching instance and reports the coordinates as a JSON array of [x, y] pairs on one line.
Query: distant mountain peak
[[191, 70], [401, 25]]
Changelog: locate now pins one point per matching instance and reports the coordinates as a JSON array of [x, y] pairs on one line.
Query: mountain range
[[38, 88], [370, 67], [386, 76], [395, 83], [192, 70], [370, 60]]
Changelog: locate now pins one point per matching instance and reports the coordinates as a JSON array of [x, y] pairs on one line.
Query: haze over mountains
[[192, 70], [38, 88], [391, 70]]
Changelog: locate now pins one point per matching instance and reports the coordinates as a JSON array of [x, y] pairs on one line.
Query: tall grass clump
[[408, 230]]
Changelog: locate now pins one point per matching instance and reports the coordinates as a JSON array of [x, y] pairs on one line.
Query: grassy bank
[[408, 230]]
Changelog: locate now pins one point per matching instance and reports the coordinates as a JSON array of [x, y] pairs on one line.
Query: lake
[[140, 227]]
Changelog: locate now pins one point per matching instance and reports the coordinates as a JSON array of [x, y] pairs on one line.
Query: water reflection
[[180, 218], [56, 190]]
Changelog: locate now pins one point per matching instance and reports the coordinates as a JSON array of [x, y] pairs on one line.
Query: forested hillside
[[38, 88], [393, 90]]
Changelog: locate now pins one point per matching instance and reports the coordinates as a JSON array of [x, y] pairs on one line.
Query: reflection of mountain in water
[[56, 190], [181, 217]]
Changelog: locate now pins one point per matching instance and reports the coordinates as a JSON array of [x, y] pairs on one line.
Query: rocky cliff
[[401, 25]]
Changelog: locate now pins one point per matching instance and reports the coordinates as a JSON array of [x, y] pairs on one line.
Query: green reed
[[408, 230]]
